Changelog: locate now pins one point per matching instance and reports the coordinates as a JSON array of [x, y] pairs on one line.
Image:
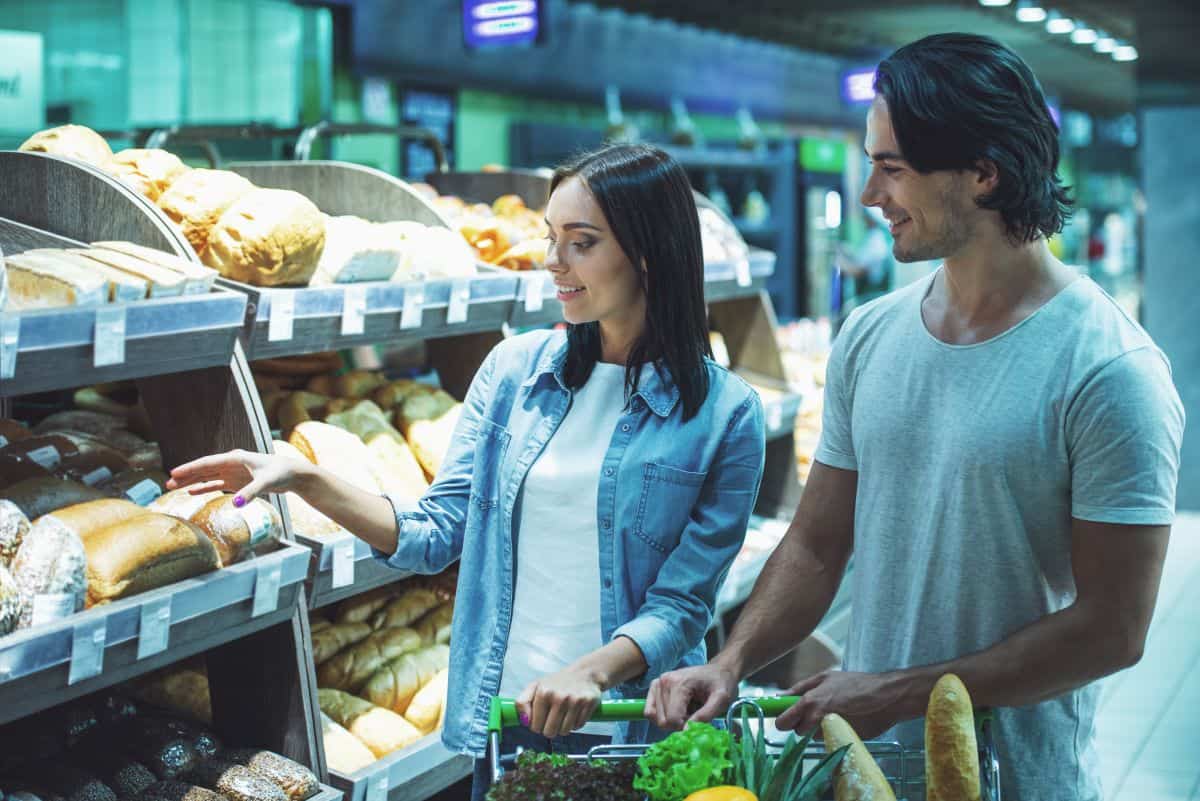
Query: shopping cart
[[903, 767]]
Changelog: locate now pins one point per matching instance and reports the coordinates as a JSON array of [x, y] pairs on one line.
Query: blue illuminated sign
[[500, 22]]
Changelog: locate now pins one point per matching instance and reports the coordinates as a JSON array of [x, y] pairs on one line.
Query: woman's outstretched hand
[[243, 472]]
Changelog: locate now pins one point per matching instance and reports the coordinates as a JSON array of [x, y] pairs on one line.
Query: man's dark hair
[[648, 203], [957, 99]]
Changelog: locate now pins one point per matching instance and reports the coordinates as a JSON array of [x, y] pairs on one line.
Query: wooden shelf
[[414, 774]]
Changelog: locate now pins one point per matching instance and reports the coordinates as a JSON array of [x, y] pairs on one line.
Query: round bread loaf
[[149, 172], [198, 198], [269, 237], [73, 141]]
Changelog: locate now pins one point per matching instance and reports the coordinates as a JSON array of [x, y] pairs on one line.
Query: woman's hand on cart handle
[[243, 472], [698, 693]]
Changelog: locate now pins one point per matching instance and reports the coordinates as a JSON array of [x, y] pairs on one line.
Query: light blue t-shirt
[[971, 462]]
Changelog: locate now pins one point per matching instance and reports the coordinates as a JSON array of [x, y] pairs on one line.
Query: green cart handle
[[504, 710]]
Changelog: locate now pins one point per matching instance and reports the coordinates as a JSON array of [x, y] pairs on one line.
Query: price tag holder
[[109, 336], [460, 301], [281, 324], [774, 417], [48, 607], [343, 563], [10, 341], [377, 787], [414, 307], [155, 630], [535, 284], [741, 272], [266, 589], [354, 309], [87, 650]]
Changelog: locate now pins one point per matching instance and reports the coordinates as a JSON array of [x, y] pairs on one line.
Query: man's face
[[931, 215]]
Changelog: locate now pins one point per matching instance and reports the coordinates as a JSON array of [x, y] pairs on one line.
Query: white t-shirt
[[556, 603], [971, 462]]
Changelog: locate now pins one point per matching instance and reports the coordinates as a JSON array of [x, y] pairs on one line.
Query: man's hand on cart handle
[[699, 693], [870, 702]]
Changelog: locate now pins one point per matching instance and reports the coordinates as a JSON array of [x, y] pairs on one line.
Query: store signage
[[500, 22], [22, 100], [822, 155], [858, 86]]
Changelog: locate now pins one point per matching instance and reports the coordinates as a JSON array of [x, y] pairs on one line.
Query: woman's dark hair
[[957, 99], [648, 203]]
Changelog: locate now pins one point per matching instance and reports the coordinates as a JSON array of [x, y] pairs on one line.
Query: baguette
[[338, 451], [360, 608], [344, 752], [354, 666], [858, 778], [329, 640], [425, 709], [409, 607], [380, 730], [951, 751], [435, 627], [397, 683]]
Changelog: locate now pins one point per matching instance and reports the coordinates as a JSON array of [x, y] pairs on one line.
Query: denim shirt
[[674, 498]]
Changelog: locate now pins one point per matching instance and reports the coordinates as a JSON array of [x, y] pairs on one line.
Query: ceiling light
[[1125, 53], [1084, 36], [1029, 12], [994, 3], [1104, 44], [1057, 23]]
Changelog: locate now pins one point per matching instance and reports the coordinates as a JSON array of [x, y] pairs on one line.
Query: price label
[[281, 323], [535, 285], [741, 272], [460, 301], [377, 787], [155, 630], [414, 307], [10, 340], [343, 563], [266, 589], [354, 309], [46, 456], [97, 476], [774, 417], [110, 336], [87, 650], [143, 492]]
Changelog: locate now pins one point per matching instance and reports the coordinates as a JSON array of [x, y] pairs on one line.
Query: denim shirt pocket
[[491, 445], [665, 506]]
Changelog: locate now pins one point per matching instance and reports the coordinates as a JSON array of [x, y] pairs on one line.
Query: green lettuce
[[687, 761]]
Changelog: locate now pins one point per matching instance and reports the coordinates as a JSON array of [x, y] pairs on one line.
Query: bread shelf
[[204, 612], [365, 572], [328, 793], [780, 415], [414, 774]]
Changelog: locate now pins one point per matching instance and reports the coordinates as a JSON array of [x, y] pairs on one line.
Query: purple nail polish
[[239, 501], [524, 720]]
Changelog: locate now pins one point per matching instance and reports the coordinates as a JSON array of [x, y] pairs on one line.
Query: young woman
[[598, 485]]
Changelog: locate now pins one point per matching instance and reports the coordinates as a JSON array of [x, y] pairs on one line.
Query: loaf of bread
[[338, 451], [41, 496], [858, 777], [122, 287], [14, 470], [396, 470], [420, 406], [178, 791], [72, 141], [51, 561], [180, 689], [344, 753], [360, 608], [162, 282], [41, 283], [357, 383], [14, 525], [269, 237], [148, 171], [97, 424], [93, 466], [297, 408], [307, 521], [425, 709], [407, 608], [321, 385], [432, 252], [235, 782], [360, 417], [11, 603], [396, 684], [198, 198], [144, 553], [355, 250], [85, 519], [430, 440], [137, 486], [528, 254], [951, 750], [181, 503], [435, 626], [235, 532], [351, 668], [389, 396], [296, 781], [332, 639], [200, 278], [126, 776], [12, 431], [380, 730]]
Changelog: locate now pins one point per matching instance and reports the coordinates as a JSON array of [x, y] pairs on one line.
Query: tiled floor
[[1149, 720]]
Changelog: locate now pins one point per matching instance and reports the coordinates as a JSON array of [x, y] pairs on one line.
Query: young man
[[1000, 450]]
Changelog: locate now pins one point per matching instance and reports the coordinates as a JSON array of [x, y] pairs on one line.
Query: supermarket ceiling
[[868, 29]]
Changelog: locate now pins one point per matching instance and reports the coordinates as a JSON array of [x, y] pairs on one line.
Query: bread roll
[[73, 141], [410, 606], [380, 730], [858, 778], [200, 278], [180, 689], [391, 395], [430, 440], [12, 431], [351, 668], [269, 237], [396, 684], [435, 627], [198, 198], [344, 753], [330, 640], [425, 709], [40, 496], [297, 408], [321, 385], [360, 608], [235, 532], [44, 283], [951, 751], [51, 561], [355, 250], [144, 553], [395, 468], [149, 172], [86, 519], [361, 417], [14, 525], [316, 624], [423, 406], [162, 282], [309, 364], [338, 451], [122, 287], [357, 383]]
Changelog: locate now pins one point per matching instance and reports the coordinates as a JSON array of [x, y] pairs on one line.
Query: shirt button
[[607, 583], [625, 428], [607, 524], [608, 471]]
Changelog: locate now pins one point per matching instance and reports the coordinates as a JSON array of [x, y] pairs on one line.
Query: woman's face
[[596, 281]]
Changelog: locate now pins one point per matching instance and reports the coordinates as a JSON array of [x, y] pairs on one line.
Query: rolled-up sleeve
[[430, 530], [680, 604]]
